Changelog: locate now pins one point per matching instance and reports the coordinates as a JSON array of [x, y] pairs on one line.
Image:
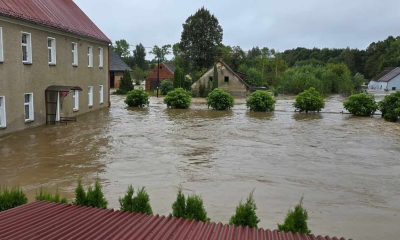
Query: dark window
[[226, 79], [393, 88], [210, 78], [160, 67]]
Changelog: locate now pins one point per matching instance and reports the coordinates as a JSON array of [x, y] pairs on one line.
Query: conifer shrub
[[137, 98], [191, 208], [215, 77], [140, 203], [178, 98], [218, 99], [11, 198], [362, 104], [94, 197], [125, 83], [296, 221], [261, 101], [309, 100], [49, 197], [390, 107], [166, 86], [179, 206], [245, 214]]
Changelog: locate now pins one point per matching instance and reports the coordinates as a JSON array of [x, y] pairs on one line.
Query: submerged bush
[[12, 198], [296, 221], [245, 214], [261, 101], [218, 99], [137, 98], [140, 203], [166, 86], [93, 198], [178, 98], [362, 104], [191, 208], [49, 197], [390, 107], [309, 100]]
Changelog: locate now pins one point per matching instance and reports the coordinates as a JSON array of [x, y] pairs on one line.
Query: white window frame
[[101, 91], [1, 45], [75, 102], [90, 95], [74, 54], [53, 50], [101, 58], [3, 118], [28, 45], [90, 56], [31, 116]]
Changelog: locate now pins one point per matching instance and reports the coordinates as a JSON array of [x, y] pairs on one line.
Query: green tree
[[215, 81], [390, 107], [12, 198], [166, 86], [245, 214], [200, 39], [46, 196], [125, 83], [137, 98], [178, 98], [139, 56], [362, 104], [80, 195], [121, 48], [140, 203], [253, 78], [190, 208], [218, 99], [178, 78], [179, 206], [296, 221], [309, 100], [137, 75], [160, 53], [260, 101], [94, 197]]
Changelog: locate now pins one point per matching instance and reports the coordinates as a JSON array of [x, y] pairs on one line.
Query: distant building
[[117, 69], [167, 71], [389, 79], [228, 80]]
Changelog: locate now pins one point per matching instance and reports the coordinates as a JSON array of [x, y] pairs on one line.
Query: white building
[[389, 79]]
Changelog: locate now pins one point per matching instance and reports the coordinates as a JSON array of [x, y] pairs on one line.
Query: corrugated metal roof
[[45, 220], [383, 73], [117, 64], [63, 15], [389, 76]]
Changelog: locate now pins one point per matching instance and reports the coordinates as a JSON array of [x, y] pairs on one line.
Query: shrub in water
[[218, 99], [179, 206], [362, 104], [137, 98], [12, 198], [245, 214], [309, 100], [178, 98], [140, 203], [45, 196], [191, 208], [125, 83], [261, 101], [166, 86], [390, 107], [296, 221], [93, 198]]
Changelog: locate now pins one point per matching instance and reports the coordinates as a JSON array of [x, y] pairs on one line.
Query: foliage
[[390, 107], [137, 98], [178, 98], [139, 56], [166, 86], [179, 206], [199, 40], [160, 53], [245, 214], [12, 198], [215, 77], [309, 100], [187, 84], [179, 78], [46, 196], [190, 208], [261, 101], [296, 221], [125, 83], [218, 99], [253, 78], [138, 75], [93, 198], [362, 104], [140, 203], [121, 48]]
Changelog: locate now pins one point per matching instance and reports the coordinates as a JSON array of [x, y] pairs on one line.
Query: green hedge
[[11, 198], [178, 98], [362, 104], [137, 98], [220, 100], [309, 100], [261, 101]]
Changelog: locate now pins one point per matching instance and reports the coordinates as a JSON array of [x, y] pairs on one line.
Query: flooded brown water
[[347, 168]]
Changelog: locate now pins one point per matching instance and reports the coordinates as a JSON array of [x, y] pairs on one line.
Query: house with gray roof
[[117, 69], [389, 79]]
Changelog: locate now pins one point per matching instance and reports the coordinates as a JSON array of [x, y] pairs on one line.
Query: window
[[2, 111], [51, 45], [74, 54], [101, 94], [1, 46], [76, 100], [90, 95], [393, 88], [160, 67], [28, 102], [90, 56], [26, 48], [210, 78], [226, 79], [100, 57]]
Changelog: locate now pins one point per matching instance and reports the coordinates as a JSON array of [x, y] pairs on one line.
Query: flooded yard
[[347, 168]]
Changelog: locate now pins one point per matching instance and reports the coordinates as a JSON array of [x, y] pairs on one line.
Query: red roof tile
[[45, 220], [63, 15]]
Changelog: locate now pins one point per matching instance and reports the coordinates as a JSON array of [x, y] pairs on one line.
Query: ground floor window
[[76, 100], [90, 95], [28, 104], [2, 111], [393, 88], [101, 93]]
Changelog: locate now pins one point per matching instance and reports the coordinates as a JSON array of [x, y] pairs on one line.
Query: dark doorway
[[112, 80], [153, 83]]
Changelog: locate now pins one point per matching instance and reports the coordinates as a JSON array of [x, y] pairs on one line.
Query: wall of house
[[377, 85], [394, 84], [118, 76], [164, 74], [16, 78], [234, 86]]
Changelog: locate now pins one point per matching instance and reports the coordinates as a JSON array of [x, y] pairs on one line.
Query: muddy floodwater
[[347, 168]]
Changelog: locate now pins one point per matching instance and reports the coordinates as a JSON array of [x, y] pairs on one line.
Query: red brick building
[[167, 71]]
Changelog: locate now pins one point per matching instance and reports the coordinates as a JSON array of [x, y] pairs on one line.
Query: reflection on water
[[347, 168]]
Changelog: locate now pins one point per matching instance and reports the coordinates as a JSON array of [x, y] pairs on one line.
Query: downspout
[[109, 78]]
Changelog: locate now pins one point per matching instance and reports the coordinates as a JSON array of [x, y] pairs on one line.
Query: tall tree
[[215, 78], [200, 37], [139, 55], [160, 53], [178, 77], [121, 48]]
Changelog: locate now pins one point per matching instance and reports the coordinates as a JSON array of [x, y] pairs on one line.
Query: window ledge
[[75, 110], [29, 121], [1, 61], [90, 66], [27, 63], [75, 65], [101, 67], [101, 103], [52, 64], [3, 127], [90, 106]]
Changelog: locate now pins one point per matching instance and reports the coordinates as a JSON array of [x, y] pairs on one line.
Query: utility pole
[[158, 75]]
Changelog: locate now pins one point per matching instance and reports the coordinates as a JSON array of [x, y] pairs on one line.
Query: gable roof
[[390, 75], [116, 63], [383, 73], [46, 220], [170, 66], [63, 15]]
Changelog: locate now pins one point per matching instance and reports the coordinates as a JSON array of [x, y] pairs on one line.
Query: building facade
[[388, 80], [37, 52], [166, 71]]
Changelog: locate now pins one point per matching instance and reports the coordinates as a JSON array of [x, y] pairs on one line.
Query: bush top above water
[[309, 100]]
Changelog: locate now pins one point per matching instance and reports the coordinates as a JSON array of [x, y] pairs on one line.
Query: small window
[[2, 112], [51, 45], [74, 47], [1, 46], [381, 87], [393, 88], [101, 94], [75, 98], [28, 103], [226, 79], [90, 95], [210, 78], [90, 56], [100, 57], [160, 67], [26, 48]]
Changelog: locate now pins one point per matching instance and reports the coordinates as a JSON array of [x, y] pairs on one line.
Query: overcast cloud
[[282, 25]]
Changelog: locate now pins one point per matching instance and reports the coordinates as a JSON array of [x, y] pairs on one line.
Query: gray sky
[[279, 24]]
